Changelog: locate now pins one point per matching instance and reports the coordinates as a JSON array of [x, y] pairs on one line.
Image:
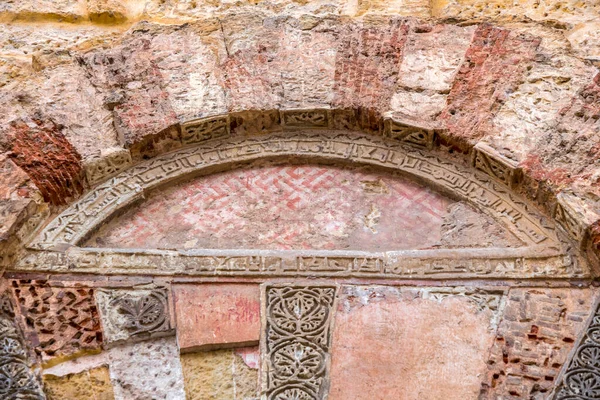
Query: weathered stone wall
[[90, 88]]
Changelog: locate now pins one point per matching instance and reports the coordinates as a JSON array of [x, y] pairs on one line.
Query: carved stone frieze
[[581, 380], [99, 169], [317, 118], [297, 341], [135, 313], [488, 160], [77, 221], [203, 129], [17, 381], [520, 263]]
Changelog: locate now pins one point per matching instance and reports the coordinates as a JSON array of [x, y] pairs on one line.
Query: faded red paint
[[216, 316], [40, 148], [285, 207], [390, 343], [494, 66], [535, 169]]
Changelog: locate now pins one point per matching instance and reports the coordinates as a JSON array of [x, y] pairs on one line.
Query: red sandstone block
[[382, 338], [211, 316]]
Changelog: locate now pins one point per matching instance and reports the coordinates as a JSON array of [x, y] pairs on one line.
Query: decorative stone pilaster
[[297, 341], [17, 381]]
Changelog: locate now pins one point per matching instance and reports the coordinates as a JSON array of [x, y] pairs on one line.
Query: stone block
[[212, 316], [410, 343], [433, 55], [368, 63], [218, 375], [93, 384], [63, 321], [494, 65], [134, 314], [147, 370], [538, 330], [110, 162]]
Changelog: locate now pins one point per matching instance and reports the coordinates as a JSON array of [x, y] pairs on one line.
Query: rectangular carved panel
[[134, 313], [63, 321], [298, 339]]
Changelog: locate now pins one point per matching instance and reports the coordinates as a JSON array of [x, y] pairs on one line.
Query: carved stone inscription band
[[77, 221], [297, 333]]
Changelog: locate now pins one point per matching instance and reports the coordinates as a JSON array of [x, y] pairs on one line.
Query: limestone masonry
[[299, 200]]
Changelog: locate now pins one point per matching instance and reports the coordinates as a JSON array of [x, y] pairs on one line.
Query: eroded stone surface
[[465, 227], [494, 65], [409, 344], [93, 384], [134, 314], [537, 332], [216, 316], [218, 375], [61, 322], [147, 370]]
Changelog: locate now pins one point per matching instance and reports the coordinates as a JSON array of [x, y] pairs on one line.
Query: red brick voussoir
[[40, 148]]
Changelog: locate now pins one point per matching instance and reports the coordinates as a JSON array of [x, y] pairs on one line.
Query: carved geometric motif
[[298, 321], [16, 378], [134, 313], [203, 129], [408, 133], [317, 118], [63, 320], [488, 160], [582, 378]]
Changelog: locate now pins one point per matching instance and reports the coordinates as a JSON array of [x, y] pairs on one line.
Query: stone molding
[[518, 263]]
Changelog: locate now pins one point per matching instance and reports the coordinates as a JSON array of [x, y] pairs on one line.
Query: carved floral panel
[[298, 322], [134, 313]]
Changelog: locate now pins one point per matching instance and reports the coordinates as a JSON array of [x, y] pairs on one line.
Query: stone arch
[[367, 74], [302, 133]]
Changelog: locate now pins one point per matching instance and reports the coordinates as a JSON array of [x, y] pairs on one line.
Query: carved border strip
[[517, 263], [17, 381], [581, 380], [297, 340], [75, 223]]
